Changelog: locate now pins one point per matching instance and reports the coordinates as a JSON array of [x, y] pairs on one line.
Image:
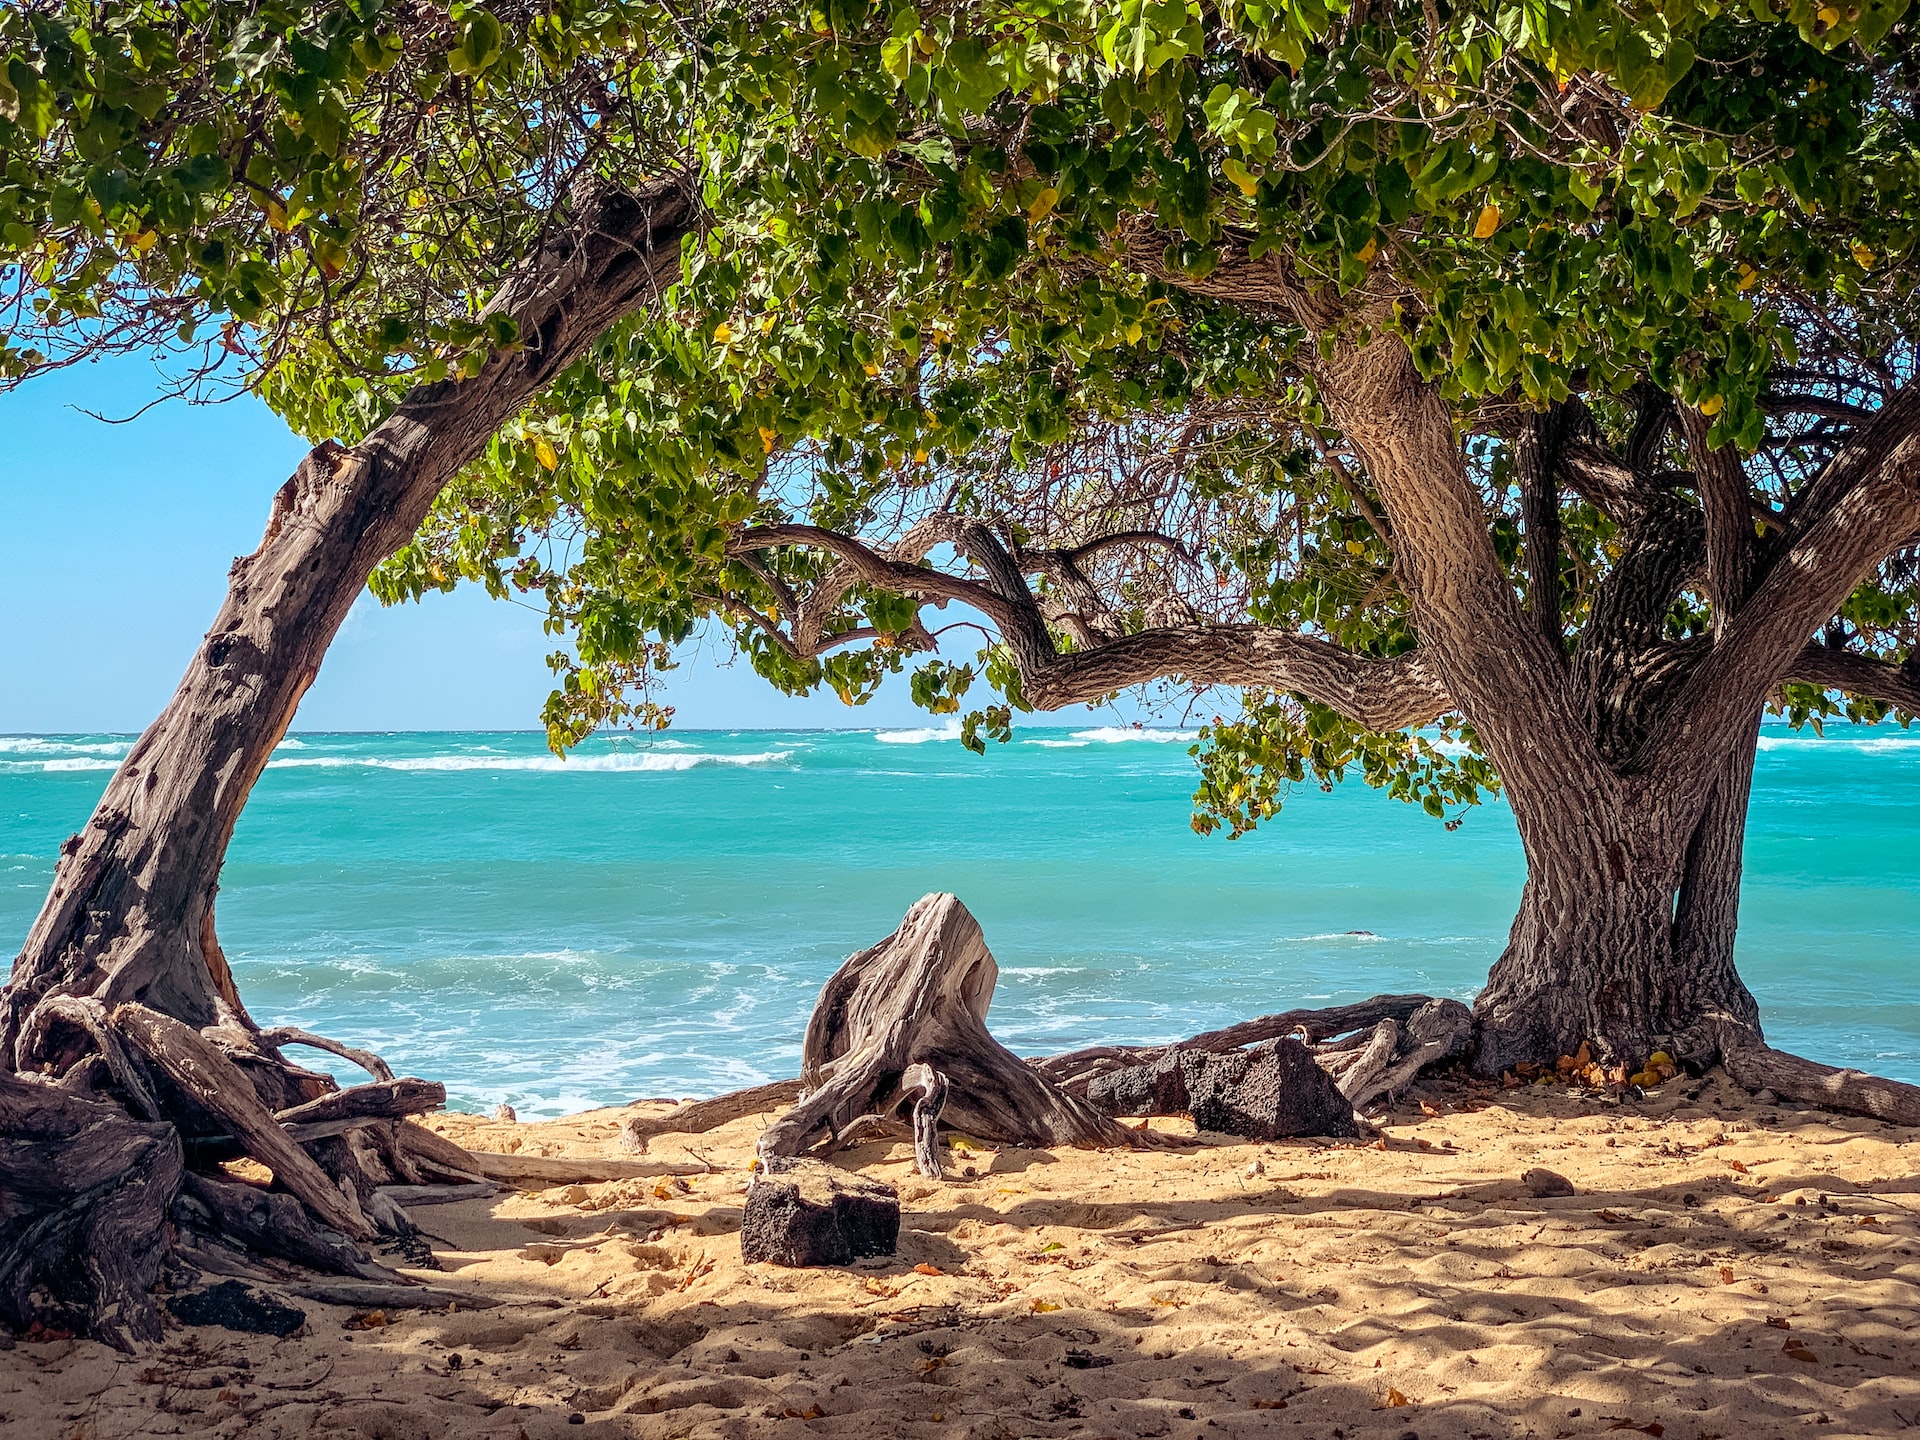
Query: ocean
[[654, 916]]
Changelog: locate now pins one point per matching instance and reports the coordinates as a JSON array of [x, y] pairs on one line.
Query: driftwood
[[1075, 1068], [217, 1085], [1395, 1053], [83, 1199], [920, 997], [552, 1171], [361, 1105], [409, 1196], [698, 1116], [269, 1223]]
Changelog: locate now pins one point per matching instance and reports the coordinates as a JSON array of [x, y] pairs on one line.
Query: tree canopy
[[1397, 364]]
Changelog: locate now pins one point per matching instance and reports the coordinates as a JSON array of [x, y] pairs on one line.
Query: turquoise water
[[654, 917]]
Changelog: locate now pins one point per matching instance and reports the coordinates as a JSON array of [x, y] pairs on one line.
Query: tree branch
[[1383, 695], [1865, 504]]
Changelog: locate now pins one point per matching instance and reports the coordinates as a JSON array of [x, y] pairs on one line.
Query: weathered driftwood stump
[[804, 1212], [919, 999]]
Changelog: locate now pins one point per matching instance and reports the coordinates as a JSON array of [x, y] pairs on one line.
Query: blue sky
[[119, 538]]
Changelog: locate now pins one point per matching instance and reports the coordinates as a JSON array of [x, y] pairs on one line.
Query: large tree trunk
[[1624, 936], [121, 992]]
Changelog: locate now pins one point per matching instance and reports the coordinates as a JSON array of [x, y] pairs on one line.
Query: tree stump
[[920, 997]]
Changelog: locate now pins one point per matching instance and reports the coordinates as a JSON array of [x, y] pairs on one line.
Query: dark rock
[[233, 1306], [1268, 1091], [804, 1212], [1544, 1184], [1156, 1088]]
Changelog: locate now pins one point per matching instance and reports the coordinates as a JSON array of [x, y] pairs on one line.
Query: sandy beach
[[1722, 1270]]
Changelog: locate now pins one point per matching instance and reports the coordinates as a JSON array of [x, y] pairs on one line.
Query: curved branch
[[1859, 675], [1381, 694], [1865, 504]]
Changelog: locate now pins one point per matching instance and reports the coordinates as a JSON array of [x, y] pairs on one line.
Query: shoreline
[[1722, 1269]]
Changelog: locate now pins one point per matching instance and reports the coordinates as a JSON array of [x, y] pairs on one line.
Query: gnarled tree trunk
[[121, 991]]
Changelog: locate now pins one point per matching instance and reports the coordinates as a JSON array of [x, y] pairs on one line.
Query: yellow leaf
[[871, 368], [1395, 1400], [925, 1269], [1044, 1307], [1713, 404], [1248, 182], [1043, 204], [1827, 15], [147, 239], [722, 333], [543, 451], [1749, 277], [1659, 1057], [1863, 255], [766, 440], [767, 322], [276, 214], [1368, 251], [1488, 222], [920, 457]]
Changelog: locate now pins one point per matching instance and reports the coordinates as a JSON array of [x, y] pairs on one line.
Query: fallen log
[[698, 1116], [412, 1196], [551, 1171], [920, 997], [218, 1086]]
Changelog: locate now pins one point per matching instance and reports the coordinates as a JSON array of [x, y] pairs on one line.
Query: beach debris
[[550, 1171], [802, 1212], [1545, 1184], [696, 1117], [1393, 1400], [919, 998], [1270, 1091], [234, 1306]]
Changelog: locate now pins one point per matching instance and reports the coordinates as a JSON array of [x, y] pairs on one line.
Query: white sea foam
[[918, 737], [1363, 937], [1120, 734], [679, 760], [41, 745], [1867, 745], [73, 763], [1060, 744]]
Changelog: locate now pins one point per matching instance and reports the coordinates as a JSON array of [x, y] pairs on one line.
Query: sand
[[1722, 1270]]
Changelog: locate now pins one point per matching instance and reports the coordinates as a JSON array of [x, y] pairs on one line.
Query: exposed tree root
[[109, 1156], [1758, 1067]]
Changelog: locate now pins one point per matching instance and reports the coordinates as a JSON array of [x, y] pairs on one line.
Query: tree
[[1395, 363], [1544, 371]]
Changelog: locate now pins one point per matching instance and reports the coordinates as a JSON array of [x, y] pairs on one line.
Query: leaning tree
[[1540, 371], [1498, 296]]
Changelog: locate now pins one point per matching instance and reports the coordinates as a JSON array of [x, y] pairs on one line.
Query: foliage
[[976, 264]]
